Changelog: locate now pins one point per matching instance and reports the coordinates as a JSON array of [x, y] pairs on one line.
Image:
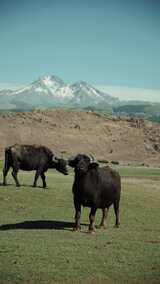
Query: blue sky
[[106, 43]]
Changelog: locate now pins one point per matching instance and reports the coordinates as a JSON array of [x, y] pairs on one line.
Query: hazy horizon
[[128, 93]]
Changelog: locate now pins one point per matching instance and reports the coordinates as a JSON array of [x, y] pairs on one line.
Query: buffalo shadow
[[23, 185], [40, 225]]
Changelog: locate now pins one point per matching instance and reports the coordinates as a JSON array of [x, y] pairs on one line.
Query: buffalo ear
[[93, 165]]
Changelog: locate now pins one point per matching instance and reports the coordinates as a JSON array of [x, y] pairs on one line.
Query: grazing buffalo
[[94, 187], [29, 158]]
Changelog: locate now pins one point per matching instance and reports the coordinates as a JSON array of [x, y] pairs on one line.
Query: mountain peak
[[50, 90], [81, 84], [51, 81]]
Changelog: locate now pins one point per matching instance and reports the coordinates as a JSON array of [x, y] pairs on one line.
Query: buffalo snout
[[62, 167]]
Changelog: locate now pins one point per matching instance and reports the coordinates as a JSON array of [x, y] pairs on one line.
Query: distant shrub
[[103, 161], [115, 162]]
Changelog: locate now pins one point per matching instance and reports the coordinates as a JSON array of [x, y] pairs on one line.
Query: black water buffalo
[[94, 187], [31, 157]]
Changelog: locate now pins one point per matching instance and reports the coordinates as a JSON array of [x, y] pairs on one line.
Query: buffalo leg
[[77, 215], [116, 210], [92, 220], [5, 172], [104, 216], [43, 180], [14, 174], [37, 174]]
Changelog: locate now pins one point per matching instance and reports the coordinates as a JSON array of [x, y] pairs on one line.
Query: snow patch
[[65, 92], [39, 89], [48, 81], [42, 90], [22, 90]]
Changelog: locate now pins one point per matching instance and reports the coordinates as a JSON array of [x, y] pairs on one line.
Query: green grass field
[[37, 244]]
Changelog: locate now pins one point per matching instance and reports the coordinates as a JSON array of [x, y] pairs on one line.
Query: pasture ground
[[37, 244]]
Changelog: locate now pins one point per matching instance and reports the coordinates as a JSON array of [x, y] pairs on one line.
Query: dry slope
[[133, 141]]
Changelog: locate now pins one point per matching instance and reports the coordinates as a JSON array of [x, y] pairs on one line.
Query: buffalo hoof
[[102, 227], [76, 229], [116, 226], [91, 232]]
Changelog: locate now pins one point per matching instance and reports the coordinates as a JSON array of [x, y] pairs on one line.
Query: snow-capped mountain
[[86, 94], [52, 91]]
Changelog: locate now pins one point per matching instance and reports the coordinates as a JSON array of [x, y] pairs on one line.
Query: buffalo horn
[[92, 158], [54, 159]]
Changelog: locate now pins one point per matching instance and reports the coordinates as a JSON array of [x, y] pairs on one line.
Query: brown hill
[[133, 141]]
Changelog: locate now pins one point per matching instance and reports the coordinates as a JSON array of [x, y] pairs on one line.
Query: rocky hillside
[[129, 141]]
